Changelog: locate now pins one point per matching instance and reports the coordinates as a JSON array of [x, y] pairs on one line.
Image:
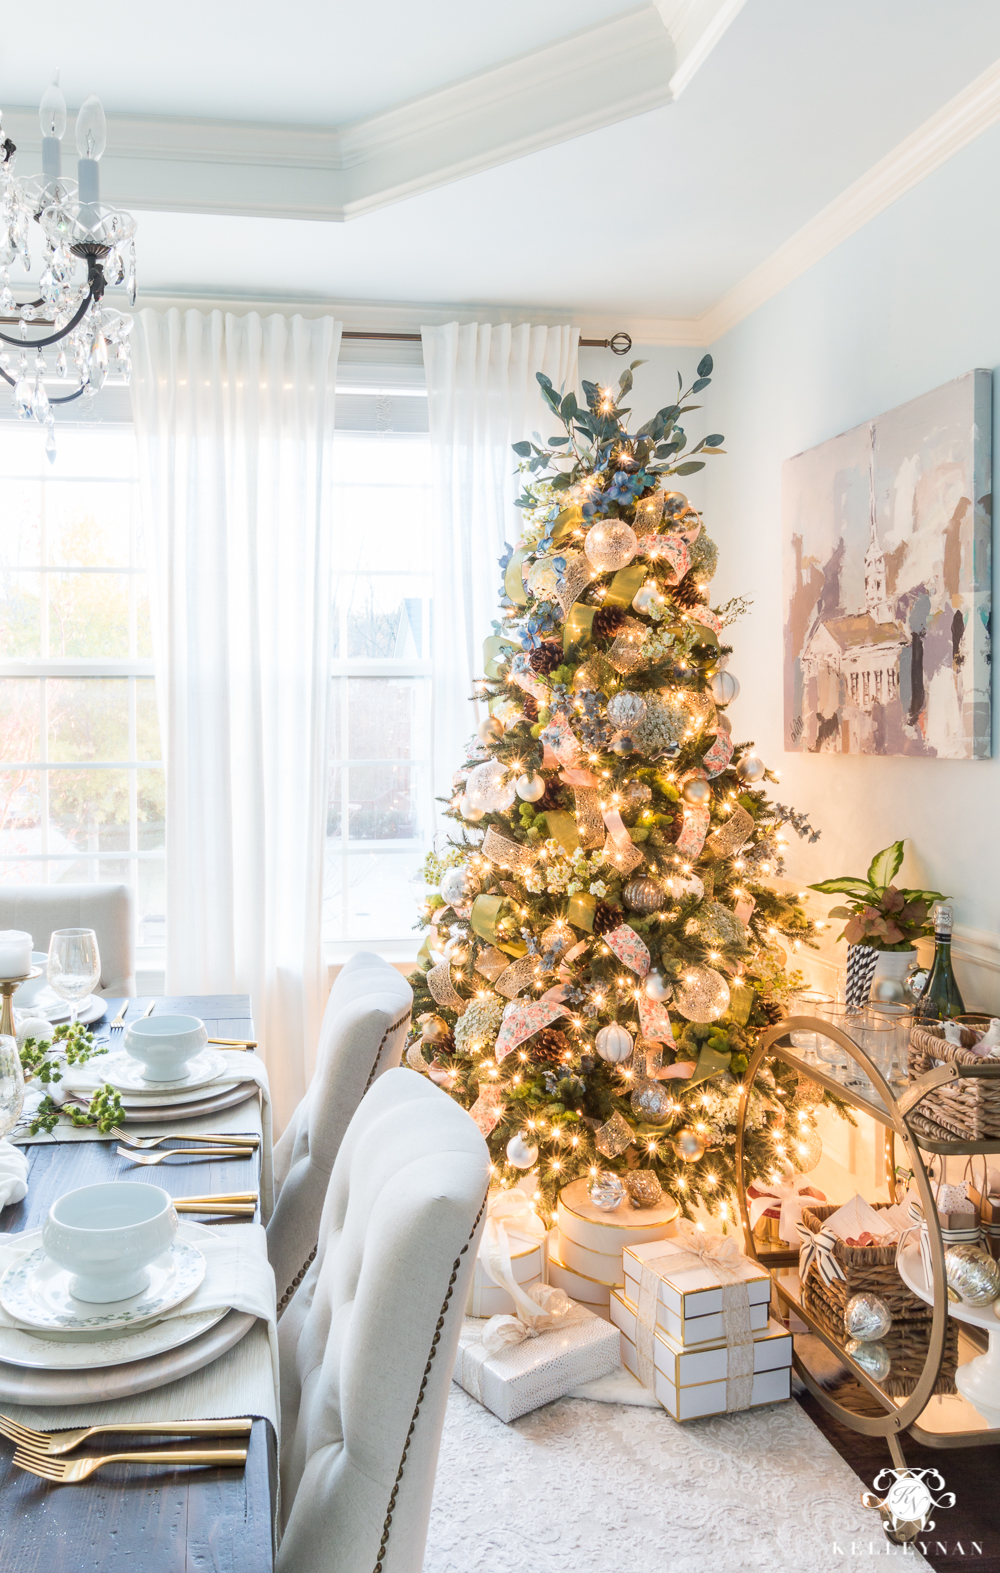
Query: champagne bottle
[[941, 998]]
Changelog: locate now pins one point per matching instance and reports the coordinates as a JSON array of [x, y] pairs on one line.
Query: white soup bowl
[[165, 1045], [106, 1235]]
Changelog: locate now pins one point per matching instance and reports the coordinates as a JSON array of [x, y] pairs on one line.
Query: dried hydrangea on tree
[[604, 945]]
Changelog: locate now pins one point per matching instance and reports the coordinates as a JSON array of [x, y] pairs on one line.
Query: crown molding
[[695, 27]]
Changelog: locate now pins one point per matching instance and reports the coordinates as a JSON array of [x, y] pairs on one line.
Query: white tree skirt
[[584, 1487]]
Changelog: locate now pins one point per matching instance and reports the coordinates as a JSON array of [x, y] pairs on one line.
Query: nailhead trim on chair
[[387, 1034], [387, 1526]]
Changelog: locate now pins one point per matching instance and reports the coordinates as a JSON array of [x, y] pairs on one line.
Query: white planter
[[890, 971]]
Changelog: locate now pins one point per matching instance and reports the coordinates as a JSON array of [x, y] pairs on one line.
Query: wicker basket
[[970, 1108], [873, 1268]]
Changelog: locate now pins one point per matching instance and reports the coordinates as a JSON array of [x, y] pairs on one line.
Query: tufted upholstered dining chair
[[107, 909], [364, 1028], [368, 1343]]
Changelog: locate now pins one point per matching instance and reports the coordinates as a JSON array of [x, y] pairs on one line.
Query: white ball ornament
[[656, 986], [520, 1154], [751, 768], [34, 1027], [459, 885], [490, 730], [696, 791], [646, 597], [610, 544], [530, 788], [724, 687], [465, 808], [614, 1043]]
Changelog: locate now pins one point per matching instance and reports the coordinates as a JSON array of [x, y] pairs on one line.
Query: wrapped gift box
[[688, 1331], [687, 1367], [988, 1206], [699, 1400], [527, 1261], [523, 1376], [591, 1264], [607, 1233], [695, 1292], [590, 1292]]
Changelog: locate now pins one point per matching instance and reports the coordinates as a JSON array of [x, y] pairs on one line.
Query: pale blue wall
[[909, 302]]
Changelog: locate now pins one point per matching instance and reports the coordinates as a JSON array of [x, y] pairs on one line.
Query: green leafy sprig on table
[[44, 1060]]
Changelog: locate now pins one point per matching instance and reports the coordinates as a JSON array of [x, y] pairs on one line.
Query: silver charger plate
[[47, 1388], [128, 1075], [35, 1291]]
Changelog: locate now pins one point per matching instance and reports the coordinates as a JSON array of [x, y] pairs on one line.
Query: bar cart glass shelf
[[970, 1417]]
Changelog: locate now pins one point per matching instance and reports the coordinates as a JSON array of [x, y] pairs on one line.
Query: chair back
[[107, 909], [368, 1344], [364, 1028]]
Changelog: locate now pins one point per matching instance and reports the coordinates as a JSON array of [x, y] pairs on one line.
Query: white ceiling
[[655, 216]]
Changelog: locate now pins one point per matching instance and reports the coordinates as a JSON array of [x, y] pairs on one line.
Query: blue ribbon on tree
[[818, 1248]]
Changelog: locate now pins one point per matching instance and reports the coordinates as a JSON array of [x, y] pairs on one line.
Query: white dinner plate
[[90, 1010], [35, 1291], [77, 1352], [171, 1100], [126, 1074]]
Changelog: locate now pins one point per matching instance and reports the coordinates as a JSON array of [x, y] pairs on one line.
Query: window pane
[[383, 804], [147, 720], [21, 535], [88, 614], [143, 631], [151, 795], [90, 871], [20, 614], [20, 812], [152, 902], [87, 523], [334, 814], [20, 718], [88, 718], [88, 810], [369, 896], [386, 617], [386, 717]]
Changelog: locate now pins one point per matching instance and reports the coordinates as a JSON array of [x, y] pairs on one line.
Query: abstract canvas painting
[[886, 534]]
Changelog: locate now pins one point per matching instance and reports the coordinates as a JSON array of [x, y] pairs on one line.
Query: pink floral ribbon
[[525, 1020]]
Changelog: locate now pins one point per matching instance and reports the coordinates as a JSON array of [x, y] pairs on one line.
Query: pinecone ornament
[[607, 622], [687, 593], [546, 658], [553, 797], [607, 917], [529, 704], [548, 1047]]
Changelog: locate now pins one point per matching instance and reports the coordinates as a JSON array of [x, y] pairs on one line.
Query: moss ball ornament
[[717, 927], [704, 558], [478, 1027]]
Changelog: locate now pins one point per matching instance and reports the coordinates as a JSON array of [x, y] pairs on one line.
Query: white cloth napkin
[[241, 1064], [13, 1175], [238, 1276]]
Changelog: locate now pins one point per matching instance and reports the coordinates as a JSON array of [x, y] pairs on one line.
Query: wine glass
[[11, 1084], [74, 966]]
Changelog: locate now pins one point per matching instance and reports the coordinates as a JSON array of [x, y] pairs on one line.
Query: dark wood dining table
[[131, 1518]]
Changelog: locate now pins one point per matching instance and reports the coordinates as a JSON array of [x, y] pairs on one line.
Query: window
[[81, 778], [379, 807]]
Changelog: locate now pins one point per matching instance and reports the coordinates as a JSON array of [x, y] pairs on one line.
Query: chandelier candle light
[[76, 228]]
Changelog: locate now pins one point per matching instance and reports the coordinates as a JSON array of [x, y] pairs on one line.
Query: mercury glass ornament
[[724, 687], [489, 788], [530, 788], [614, 1043], [556, 937], [652, 1103], [610, 544], [459, 885], [520, 1153], [606, 1190], [696, 791], [643, 1187], [701, 994], [644, 895], [873, 1358], [656, 986], [637, 793], [866, 1317], [751, 768], [972, 1274], [890, 991], [489, 730], [688, 1144], [626, 710], [674, 503], [433, 1028]]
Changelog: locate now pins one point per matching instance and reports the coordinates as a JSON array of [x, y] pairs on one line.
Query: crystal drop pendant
[[48, 287], [50, 442], [98, 360], [61, 363], [23, 326], [22, 396], [40, 406]]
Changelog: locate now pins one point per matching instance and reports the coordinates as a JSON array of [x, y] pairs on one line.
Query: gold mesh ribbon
[[576, 577], [734, 834], [721, 1255], [441, 987], [509, 854], [491, 962], [516, 977], [589, 818]]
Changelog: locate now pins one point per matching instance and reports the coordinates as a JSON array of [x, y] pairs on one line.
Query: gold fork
[[48, 1444], [67, 1471], [149, 1159], [144, 1143]]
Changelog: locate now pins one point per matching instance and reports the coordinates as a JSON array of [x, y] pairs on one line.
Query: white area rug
[[584, 1487]]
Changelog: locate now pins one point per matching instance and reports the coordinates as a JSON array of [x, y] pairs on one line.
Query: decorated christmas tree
[[605, 945]]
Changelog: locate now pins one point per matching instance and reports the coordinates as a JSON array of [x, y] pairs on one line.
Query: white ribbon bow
[[792, 1205], [819, 1248], [551, 1309], [509, 1212]]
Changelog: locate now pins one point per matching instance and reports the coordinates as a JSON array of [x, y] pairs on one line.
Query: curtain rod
[[619, 343]]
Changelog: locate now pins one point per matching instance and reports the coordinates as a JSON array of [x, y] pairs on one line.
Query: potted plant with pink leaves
[[884, 920]]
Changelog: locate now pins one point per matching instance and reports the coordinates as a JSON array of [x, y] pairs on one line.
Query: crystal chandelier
[[81, 339]]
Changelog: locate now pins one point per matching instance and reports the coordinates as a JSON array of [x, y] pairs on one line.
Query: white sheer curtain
[[482, 396], [234, 422]]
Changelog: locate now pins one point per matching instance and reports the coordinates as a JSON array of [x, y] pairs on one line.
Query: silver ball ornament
[[637, 793], [701, 994], [889, 991], [972, 1274], [610, 544], [724, 687], [696, 791], [652, 1103], [606, 1191], [530, 788], [458, 886], [656, 986], [644, 895], [688, 1145], [614, 1043], [751, 768], [520, 1153], [626, 710], [489, 788], [866, 1317], [873, 1358]]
